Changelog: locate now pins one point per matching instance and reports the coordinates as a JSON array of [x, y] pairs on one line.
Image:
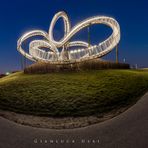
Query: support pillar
[[117, 54]]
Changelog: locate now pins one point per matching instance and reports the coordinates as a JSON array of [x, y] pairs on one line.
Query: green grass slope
[[72, 93]]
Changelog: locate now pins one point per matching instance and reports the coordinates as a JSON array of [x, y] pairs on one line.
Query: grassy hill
[[72, 93]]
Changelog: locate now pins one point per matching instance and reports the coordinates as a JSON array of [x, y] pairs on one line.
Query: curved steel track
[[86, 52]]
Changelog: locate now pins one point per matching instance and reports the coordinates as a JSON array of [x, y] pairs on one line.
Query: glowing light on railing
[[37, 53]]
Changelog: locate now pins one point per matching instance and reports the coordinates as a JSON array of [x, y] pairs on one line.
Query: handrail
[[37, 53]]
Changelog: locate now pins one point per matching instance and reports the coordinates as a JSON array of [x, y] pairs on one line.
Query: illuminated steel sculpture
[[37, 50]]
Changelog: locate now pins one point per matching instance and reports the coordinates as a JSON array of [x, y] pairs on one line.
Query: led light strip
[[37, 53]]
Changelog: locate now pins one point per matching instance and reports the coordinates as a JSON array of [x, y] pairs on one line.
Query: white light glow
[[37, 53]]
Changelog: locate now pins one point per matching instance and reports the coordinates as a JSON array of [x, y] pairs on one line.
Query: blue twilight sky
[[19, 16]]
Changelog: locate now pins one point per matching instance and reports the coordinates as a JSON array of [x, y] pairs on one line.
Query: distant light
[[7, 73], [124, 60]]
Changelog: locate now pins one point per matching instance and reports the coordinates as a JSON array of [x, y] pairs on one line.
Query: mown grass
[[72, 93]]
